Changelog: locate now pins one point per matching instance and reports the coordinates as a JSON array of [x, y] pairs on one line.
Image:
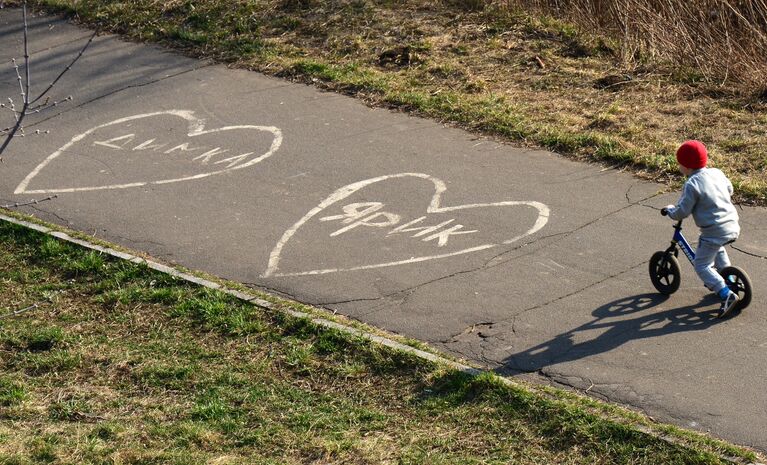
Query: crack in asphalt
[[490, 263], [599, 390], [135, 241], [603, 391], [513, 318], [486, 265], [733, 247], [574, 176], [468, 330], [751, 254], [405, 293], [272, 290], [117, 91], [607, 392], [607, 278], [356, 300], [62, 220], [32, 53]]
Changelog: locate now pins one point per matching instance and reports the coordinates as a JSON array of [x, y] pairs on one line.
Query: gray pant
[[709, 258]]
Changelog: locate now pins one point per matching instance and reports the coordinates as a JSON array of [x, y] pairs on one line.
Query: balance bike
[[665, 272]]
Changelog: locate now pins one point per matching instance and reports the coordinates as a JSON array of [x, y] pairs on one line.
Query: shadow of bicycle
[[618, 322]]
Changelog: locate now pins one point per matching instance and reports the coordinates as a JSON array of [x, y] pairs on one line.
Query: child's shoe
[[728, 304]]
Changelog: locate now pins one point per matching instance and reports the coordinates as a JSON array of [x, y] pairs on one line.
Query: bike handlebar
[[664, 212]]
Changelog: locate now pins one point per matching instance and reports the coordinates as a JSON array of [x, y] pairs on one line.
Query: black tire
[[738, 282], [665, 272]]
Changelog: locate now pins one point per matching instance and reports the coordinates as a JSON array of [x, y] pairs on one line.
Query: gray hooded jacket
[[706, 195]]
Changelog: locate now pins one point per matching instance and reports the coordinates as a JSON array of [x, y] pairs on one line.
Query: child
[[706, 194]]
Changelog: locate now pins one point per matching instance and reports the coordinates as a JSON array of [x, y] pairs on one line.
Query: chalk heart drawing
[[208, 160], [435, 206]]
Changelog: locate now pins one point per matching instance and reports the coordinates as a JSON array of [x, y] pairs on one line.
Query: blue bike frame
[[679, 240]]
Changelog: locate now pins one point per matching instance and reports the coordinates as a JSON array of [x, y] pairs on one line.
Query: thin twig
[[47, 105], [24, 88], [25, 85], [87, 44], [20, 311], [18, 76], [26, 57], [31, 202]]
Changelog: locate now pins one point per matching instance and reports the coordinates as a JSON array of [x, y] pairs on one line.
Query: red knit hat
[[692, 154]]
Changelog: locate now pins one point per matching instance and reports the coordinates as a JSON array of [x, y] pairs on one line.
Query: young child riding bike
[[706, 195]]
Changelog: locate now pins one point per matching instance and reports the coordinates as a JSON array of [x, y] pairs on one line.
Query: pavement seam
[[122, 89], [46, 212], [57, 46], [495, 260], [492, 262], [751, 254], [318, 321], [732, 246]]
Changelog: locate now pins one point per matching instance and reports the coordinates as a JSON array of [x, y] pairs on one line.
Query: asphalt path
[[521, 260]]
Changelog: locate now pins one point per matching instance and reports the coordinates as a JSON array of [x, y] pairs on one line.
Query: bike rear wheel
[[665, 273], [738, 282]]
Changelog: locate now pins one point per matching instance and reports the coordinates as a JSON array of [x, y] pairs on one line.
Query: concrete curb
[[243, 296], [318, 321]]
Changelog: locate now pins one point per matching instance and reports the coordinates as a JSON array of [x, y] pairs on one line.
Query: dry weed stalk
[[720, 41]]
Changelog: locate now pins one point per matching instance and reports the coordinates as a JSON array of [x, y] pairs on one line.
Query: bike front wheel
[[665, 273], [738, 282]]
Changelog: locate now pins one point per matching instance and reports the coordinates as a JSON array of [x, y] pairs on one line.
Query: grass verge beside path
[[118, 363], [531, 80]]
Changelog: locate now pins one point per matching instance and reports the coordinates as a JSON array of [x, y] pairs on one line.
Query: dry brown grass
[[722, 40], [559, 83]]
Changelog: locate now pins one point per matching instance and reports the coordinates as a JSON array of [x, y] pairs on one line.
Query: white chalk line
[[434, 207], [196, 128]]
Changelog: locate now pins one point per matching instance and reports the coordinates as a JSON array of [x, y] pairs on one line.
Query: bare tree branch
[[25, 85], [93, 36], [20, 311], [31, 202]]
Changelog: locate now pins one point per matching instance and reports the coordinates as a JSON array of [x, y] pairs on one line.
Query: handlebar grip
[[663, 211]]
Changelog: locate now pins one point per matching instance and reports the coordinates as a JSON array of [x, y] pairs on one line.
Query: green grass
[[11, 392], [123, 364]]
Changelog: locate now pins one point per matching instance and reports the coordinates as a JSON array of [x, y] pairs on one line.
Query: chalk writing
[[205, 158], [354, 216], [211, 159], [371, 215]]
